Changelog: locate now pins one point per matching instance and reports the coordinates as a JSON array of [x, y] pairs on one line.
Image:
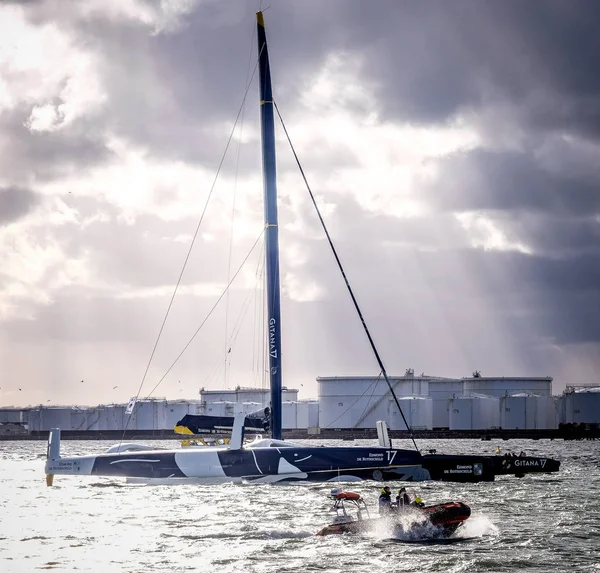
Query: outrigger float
[[440, 521]]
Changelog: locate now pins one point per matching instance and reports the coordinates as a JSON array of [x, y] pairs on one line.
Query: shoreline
[[569, 433]]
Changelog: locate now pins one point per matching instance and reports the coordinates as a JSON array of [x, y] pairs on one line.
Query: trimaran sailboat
[[273, 460]]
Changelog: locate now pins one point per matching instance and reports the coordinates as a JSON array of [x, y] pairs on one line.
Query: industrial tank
[[109, 417], [13, 416], [474, 412], [79, 419], [307, 414], [241, 394], [150, 415], [527, 412], [175, 410], [441, 391], [34, 420], [417, 410], [582, 405], [502, 386], [289, 415], [46, 417], [360, 401]]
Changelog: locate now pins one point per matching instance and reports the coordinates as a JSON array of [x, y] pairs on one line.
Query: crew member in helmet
[[385, 500], [418, 501], [402, 499]]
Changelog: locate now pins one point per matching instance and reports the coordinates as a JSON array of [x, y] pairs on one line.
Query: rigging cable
[[339, 263], [374, 383], [187, 257], [208, 315], [237, 169]]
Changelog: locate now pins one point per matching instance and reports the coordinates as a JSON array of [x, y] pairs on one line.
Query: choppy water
[[545, 523]]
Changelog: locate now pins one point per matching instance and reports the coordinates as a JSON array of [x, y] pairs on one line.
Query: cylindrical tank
[[116, 419], [34, 423], [582, 406], [150, 414], [79, 419], [302, 415], [313, 414], [417, 410], [217, 409], [260, 395], [474, 413], [252, 407], [176, 410], [56, 417], [502, 386], [13, 416], [307, 414], [527, 412], [288, 415], [360, 401], [441, 391]]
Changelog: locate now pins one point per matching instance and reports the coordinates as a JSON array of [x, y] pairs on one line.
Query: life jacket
[[385, 502]]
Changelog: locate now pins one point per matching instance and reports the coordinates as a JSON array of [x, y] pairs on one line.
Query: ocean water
[[542, 523]]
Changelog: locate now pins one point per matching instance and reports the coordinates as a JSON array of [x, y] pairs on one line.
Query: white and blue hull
[[250, 464]]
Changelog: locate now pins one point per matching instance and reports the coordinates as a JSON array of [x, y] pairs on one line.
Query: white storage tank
[[441, 391], [474, 413], [149, 414], [176, 410], [307, 414], [251, 407], [34, 420], [417, 410], [110, 417], [56, 417], [242, 394], [79, 419], [502, 386], [95, 419], [116, 418], [13, 416], [527, 412], [582, 405], [561, 416], [313, 414], [288, 415], [217, 409], [360, 401]]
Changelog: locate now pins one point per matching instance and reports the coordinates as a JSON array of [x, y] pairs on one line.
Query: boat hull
[[446, 518], [268, 464], [297, 464]]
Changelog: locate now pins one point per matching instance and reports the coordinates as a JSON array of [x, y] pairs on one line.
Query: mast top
[[260, 19]]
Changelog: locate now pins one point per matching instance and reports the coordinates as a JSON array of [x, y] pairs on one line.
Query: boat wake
[[415, 529], [478, 526]]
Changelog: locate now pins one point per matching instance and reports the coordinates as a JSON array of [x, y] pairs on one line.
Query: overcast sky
[[453, 147]]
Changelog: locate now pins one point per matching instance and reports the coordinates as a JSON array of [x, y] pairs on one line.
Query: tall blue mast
[[271, 227]]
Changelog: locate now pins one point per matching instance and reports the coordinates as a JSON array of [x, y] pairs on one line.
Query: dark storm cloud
[[46, 155], [428, 61], [15, 203], [401, 273], [435, 59], [429, 297], [512, 181], [551, 235]]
